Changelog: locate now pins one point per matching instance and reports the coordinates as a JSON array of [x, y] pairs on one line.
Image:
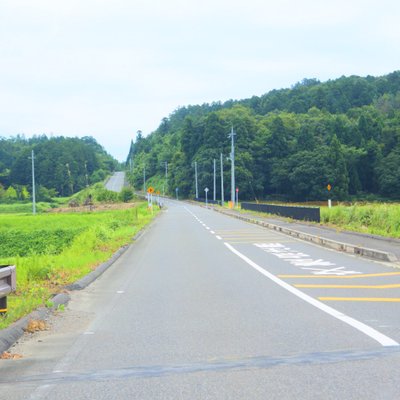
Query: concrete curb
[[332, 244], [14, 332]]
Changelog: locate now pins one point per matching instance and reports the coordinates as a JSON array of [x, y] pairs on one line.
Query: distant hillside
[[62, 165], [290, 143]]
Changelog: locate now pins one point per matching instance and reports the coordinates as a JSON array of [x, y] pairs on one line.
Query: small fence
[[8, 284], [295, 212]]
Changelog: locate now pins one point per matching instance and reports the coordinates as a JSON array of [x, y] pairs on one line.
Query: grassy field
[[376, 218], [51, 250]]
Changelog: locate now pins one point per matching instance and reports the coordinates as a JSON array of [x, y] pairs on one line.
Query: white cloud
[[109, 68]]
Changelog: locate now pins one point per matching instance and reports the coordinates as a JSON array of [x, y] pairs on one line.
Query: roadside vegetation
[[375, 218], [381, 219], [52, 250]]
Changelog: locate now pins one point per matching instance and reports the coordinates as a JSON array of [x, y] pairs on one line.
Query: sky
[[108, 68]]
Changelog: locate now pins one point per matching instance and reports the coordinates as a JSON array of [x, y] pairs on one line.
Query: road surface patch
[[360, 326]]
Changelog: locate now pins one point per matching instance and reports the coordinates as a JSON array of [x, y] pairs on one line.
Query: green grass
[[376, 218], [23, 208], [53, 250]]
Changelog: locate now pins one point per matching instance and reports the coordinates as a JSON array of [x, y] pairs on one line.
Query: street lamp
[[166, 177], [33, 184], [215, 182], [222, 181], [195, 180], [144, 178], [232, 158]]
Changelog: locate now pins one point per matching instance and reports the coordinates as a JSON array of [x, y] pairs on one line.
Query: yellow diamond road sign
[[150, 190]]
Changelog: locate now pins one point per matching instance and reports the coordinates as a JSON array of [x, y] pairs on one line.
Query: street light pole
[[165, 187], [195, 177], [86, 175], [222, 181], [144, 178], [33, 185], [215, 183], [232, 135]]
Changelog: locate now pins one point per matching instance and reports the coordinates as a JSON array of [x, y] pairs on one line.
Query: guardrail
[[295, 212], [203, 200], [8, 284]]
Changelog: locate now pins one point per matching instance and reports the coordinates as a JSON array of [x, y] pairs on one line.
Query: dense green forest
[[290, 143], [63, 166]]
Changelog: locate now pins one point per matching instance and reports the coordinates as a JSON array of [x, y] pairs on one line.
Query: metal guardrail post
[[8, 284]]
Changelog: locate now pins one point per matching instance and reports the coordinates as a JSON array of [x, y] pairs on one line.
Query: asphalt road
[[116, 182], [204, 306]]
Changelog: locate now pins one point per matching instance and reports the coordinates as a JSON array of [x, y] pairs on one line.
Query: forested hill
[[62, 165], [290, 143]]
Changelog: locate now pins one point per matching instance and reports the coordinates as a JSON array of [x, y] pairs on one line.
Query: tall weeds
[[56, 260], [380, 219]]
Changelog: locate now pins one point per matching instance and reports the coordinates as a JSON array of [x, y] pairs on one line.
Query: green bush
[[126, 195]]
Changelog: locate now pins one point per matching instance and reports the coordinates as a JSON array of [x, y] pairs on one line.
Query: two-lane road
[[116, 182], [208, 307]]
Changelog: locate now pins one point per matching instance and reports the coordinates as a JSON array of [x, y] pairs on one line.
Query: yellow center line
[[340, 276], [243, 241], [348, 286], [370, 299]]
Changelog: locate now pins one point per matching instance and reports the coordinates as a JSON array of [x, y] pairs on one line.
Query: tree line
[[63, 166], [290, 143]]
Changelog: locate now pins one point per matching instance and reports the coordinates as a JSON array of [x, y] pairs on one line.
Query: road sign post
[[150, 191], [206, 190], [237, 197], [329, 187]]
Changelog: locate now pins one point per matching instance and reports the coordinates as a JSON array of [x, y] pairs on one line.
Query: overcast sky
[[109, 68]]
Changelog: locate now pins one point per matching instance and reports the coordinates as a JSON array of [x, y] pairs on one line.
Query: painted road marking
[[340, 277], [367, 330], [303, 260], [368, 299], [218, 237], [348, 286]]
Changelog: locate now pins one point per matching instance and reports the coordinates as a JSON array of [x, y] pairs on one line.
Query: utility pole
[[166, 176], [86, 175], [71, 185], [195, 177], [232, 135], [215, 183], [144, 178], [33, 184], [222, 181]]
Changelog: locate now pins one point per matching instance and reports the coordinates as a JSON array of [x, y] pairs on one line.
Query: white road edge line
[[367, 330]]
